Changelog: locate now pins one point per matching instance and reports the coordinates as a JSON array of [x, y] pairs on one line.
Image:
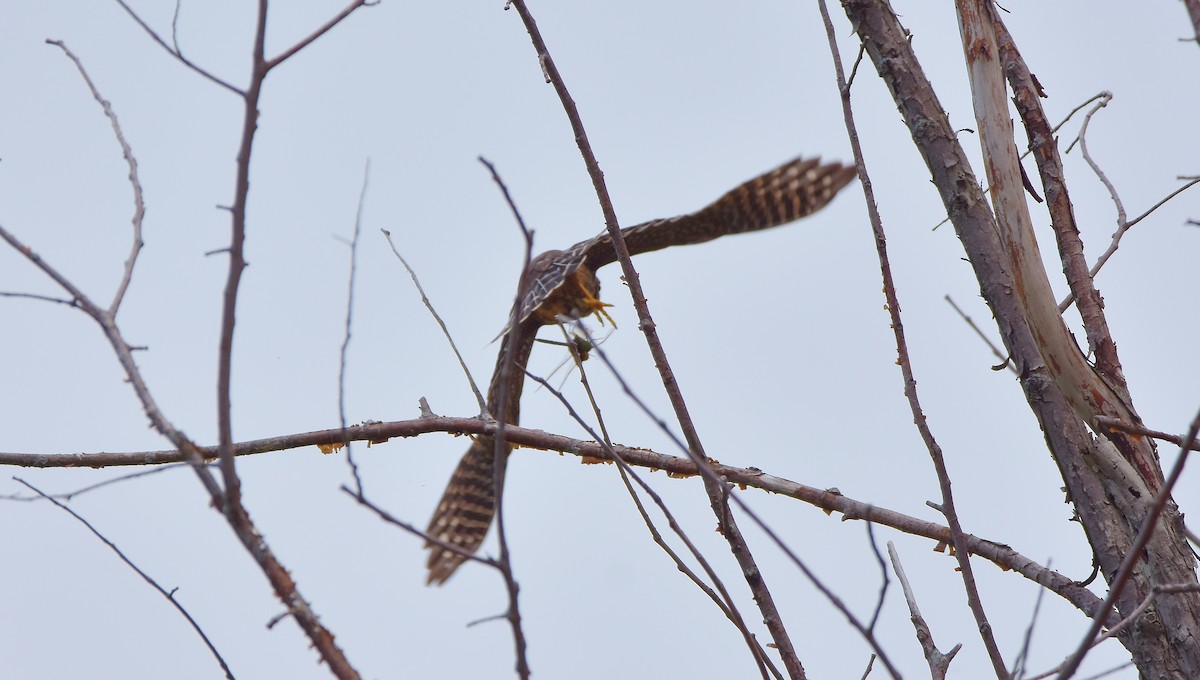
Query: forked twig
[[939, 663], [174, 51]]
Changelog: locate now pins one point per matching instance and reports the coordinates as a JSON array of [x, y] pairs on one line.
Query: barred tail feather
[[465, 512]]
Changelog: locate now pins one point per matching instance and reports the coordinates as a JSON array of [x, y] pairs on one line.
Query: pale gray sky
[[779, 339]]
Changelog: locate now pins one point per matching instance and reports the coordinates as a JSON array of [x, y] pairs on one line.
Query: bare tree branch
[[139, 207], [362, 198], [1004, 359], [170, 595], [40, 298], [939, 663], [828, 500], [441, 324], [1133, 428]]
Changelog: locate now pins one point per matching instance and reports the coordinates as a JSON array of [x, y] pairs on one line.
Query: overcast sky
[[779, 339]]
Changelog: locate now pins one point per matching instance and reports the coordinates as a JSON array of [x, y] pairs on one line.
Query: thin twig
[[870, 666], [170, 595], [362, 198], [337, 19], [175, 26], [139, 207], [232, 505], [1018, 670], [1190, 182], [885, 582], [441, 324], [1004, 358], [1105, 98], [42, 298], [178, 55], [393, 520], [1122, 228], [1104, 421], [71, 495]]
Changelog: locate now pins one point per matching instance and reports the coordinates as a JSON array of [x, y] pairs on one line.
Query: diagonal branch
[[325, 28], [716, 491], [174, 51], [170, 595]]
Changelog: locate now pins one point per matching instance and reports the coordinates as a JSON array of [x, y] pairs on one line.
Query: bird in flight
[[562, 285]]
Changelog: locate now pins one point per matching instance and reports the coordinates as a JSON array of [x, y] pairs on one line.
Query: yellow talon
[[597, 307]]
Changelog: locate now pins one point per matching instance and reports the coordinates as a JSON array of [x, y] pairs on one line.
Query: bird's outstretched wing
[[794, 190]]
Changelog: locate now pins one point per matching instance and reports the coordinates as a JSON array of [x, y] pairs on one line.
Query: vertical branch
[[957, 536], [362, 199], [504, 399], [237, 263]]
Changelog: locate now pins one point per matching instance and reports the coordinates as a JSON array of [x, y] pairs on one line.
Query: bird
[[561, 285]]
